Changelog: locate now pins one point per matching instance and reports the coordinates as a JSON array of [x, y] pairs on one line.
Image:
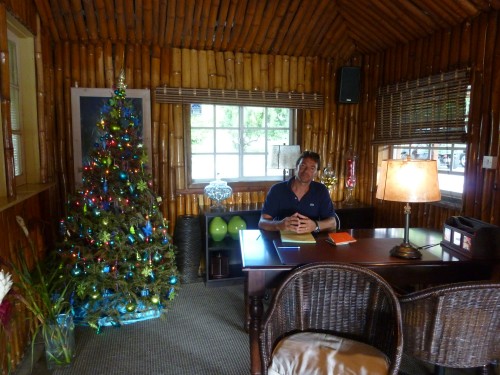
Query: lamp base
[[405, 251]]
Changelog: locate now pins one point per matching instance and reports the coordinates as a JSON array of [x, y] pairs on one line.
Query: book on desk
[[289, 236], [340, 238]]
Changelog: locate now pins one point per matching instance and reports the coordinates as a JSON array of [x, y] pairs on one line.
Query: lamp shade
[[284, 156], [409, 181]]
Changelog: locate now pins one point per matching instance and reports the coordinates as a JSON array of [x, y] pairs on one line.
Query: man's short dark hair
[[309, 155]]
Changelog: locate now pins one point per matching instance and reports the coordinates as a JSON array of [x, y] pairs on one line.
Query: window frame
[[28, 114], [257, 181]]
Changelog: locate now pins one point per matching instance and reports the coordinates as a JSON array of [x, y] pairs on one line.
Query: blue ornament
[[106, 269], [123, 175], [131, 238], [145, 292], [76, 271], [173, 280], [164, 240], [148, 229], [157, 257]]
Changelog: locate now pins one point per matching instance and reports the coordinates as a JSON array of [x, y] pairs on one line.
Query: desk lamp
[[409, 181], [284, 157]]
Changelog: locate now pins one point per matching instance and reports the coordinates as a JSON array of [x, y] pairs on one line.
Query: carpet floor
[[201, 334]]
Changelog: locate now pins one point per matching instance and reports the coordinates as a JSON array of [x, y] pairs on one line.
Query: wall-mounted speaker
[[348, 84]]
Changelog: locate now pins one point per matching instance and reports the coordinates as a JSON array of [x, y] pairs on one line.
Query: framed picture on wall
[[86, 106]]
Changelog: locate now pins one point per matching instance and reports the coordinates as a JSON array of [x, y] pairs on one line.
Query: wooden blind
[[426, 110], [239, 97]]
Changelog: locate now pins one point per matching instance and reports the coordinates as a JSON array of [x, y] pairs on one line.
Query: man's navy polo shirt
[[282, 202]]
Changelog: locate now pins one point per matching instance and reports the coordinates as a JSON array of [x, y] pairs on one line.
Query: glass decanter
[[351, 159], [218, 191]]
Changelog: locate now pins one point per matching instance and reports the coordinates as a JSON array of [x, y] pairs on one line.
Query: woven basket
[[187, 237]]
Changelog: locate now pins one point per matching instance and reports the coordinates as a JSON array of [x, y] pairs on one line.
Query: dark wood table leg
[[256, 310], [254, 291]]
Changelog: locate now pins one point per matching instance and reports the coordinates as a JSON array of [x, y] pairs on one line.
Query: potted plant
[[43, 293]]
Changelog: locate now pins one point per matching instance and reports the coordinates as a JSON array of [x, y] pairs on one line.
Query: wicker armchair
[[454, 325], [343, 300]]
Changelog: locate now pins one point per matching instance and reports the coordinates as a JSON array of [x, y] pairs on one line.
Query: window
[[427, 119], [233, 142], [23, 106], [16, 123]]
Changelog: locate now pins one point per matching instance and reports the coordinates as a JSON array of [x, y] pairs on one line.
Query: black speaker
[[348, 84]]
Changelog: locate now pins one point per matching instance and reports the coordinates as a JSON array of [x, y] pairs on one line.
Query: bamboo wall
[[330, 131], [88, 65], [474, 44]]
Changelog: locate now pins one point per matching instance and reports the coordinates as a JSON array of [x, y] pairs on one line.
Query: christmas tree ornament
[[131, 307], [155, 299]]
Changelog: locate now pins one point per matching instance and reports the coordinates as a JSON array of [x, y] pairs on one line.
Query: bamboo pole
[[264, 64], [308, 75], [238, 71], [155, 118], [175, 80], [229, 64], [247, 71], [195, 81], [137, 68], [285, 74], [212, 70], [221, 70], [293, 74], [43, 135], [255, 84], [203, 69], [278, 68], [146, 67], [185, 68], [91, 65]]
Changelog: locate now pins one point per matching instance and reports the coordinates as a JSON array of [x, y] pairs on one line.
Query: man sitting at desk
[[300, 204]]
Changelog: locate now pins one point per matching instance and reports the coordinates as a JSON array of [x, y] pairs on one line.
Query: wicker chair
[[346, 301], [454, 325]]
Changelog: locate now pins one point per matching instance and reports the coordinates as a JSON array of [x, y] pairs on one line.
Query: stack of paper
[[289, 236]]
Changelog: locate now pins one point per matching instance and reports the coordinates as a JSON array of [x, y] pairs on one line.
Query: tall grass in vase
[[45, 294]]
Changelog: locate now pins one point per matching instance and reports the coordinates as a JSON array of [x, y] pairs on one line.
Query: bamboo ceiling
[[324, 28]]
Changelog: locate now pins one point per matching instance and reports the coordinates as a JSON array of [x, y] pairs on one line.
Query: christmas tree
[[116, 245]]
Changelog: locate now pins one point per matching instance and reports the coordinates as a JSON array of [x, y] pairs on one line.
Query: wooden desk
[[264, 269]]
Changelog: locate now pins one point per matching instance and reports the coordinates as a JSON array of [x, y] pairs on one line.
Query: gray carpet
[[202, 334]]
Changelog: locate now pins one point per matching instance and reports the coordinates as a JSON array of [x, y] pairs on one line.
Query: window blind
[[239, 97], [427, 110]]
